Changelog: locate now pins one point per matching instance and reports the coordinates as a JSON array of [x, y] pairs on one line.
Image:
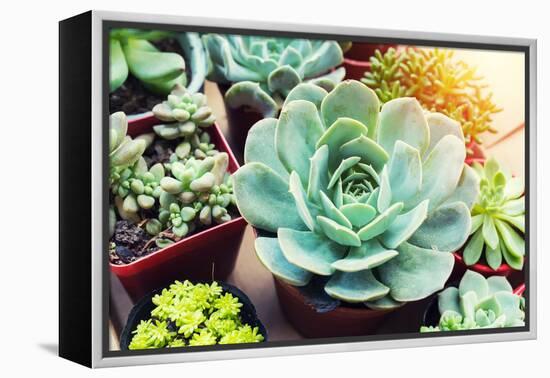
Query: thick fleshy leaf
[[329, 80], [448, 300], [442, 170], [340, 234], [380, 223], [385, 191], [298, 130], [263, 198], [510, 306], [368, 256], [440, 125], [513, 241], [477, 222], [473, 249], [367, 149], [310, 251], [340, 132], [307, 211], [405, 172], [514, 207], [332, 212], [514, 188], [324, 57], [493, 256], [467, 189], [352, 99], [260, 146], [271, 256], [516, 262], [118, 69], [518, 221], [149, 65], [118, 125], [403, 119], [415, 273], [473, 281], [356, 287], [404, 226], [307, 91], [489, 232], [498, 283], [383, 304], [128, 153], [283, 79], [344, 166], [359, 214], [468, 302], [251, 95], [318, 174]]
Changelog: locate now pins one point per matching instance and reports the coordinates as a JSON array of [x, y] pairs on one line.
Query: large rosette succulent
[[369, 200]]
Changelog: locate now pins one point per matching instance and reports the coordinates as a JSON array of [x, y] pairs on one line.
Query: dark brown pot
[[340, 322]]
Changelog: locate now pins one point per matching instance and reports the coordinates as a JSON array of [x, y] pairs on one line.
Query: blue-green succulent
[[478, 302], [131, 51], [372, 199], [263, 70]]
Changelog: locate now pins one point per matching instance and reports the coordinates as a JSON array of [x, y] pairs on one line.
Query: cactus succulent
[[440, 84], [370, 199], [498, 219], [263, 70], [478, 303], [131, 51]]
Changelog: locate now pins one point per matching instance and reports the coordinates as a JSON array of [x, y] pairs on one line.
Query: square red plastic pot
[[207, 255]]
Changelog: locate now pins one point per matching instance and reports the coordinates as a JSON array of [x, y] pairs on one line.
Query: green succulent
[[369, 199], [478, 303], [193, 314], [197, 191], [498, 219], [131, 51], [263, 70]]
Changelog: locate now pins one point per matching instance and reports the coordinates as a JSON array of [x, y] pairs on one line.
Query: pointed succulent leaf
[[380, 223], [297, 246], [493, 256], [489, 231], [340, 234], [332, 212], [367, 256], [384, 191], [514, 243], [510, 307], [474, 248], [405, 172], [498, 283], [467, 189], [516, 262], [318, 174], [118, 69], [152, 66], [283, 79], [449, 300], [473, 281], [359, 214], [514, 188], [327, 55], [367, 149], [440, 126], [250, 94], [514, 207], [263, 199], [270, 254], [405, 225], [306, 211], [356, 287]]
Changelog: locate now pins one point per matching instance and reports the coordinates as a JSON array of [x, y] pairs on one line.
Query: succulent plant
[[124, 151], [498, 219], [478, 303], [131, 51], [194, 314], [198, 192], [263, 70], [370, 199], [440, 83]]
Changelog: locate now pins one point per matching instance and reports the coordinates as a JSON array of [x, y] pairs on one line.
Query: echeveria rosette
[[263, 70], [131, 51], [370, 199], [478, 302], [498, 219]]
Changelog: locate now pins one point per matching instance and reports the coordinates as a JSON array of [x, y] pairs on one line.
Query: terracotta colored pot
[[208, 255], [357, 59], [340, 322], [142, 311]]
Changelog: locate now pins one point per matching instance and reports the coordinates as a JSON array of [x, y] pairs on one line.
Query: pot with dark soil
[[136, 85], [357, 58], [256, 78], [173, 211], [475, 302], [186, 314]]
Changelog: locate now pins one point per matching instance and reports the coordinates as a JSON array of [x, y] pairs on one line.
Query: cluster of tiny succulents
[[498, 219], [438, 82], [189, 314], [132, 51], [371, 198], [191, 190], [263, 70], [478, 302]]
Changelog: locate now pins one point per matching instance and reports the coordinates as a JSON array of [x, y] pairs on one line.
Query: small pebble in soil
[[130, 240]]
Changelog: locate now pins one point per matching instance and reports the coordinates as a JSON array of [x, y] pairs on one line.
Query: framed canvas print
[[236, 189]]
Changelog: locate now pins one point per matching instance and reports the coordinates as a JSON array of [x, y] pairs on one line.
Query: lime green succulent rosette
[[478, 302], [131, 51], [372, 200], [263, 70], [498, 219]]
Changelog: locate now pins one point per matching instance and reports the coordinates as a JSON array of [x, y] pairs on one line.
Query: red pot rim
[[141, 125], [359, 63], [482, 268]]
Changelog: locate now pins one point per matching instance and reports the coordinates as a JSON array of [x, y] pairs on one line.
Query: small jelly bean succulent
[[498, 219], [131, 51], [263, 70], [478, 303], [439, 82], [189, 314], [372, 200]]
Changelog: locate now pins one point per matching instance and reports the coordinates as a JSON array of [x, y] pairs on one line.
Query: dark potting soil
[[160, 151], [130, 240], [132, 97]]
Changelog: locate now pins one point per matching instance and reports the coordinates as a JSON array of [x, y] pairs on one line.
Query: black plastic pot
[[142, 311]]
